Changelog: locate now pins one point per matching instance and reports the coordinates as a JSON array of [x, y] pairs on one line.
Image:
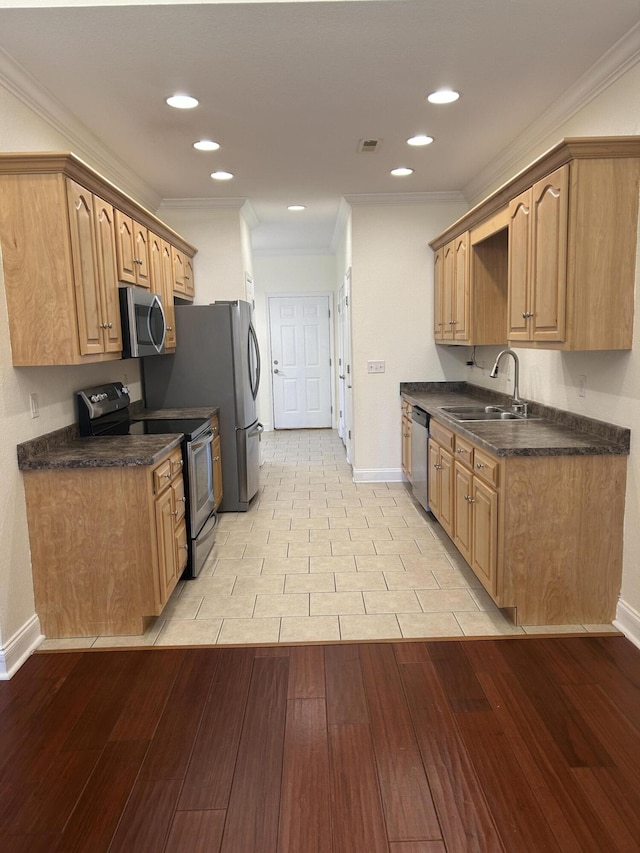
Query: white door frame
[[348, 371], [301, 294]]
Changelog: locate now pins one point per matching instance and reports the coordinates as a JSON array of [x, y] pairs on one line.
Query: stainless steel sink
[[481, 413]]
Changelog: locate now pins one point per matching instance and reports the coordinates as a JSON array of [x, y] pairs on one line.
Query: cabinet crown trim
[[568, 149], [70, 165]]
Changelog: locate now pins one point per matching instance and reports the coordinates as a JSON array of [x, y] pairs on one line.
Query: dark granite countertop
[[547, 432], [64, 448]]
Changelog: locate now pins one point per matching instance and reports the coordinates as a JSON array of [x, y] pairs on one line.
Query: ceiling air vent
[[369, 145]]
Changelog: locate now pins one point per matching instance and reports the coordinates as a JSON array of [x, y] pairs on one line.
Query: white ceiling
[[289, 88]]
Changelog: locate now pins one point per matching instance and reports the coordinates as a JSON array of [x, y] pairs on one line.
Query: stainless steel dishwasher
[[419, 453]]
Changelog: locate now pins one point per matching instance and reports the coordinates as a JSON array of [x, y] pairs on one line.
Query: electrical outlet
[[35, 409], [375, 367], [582, 387]]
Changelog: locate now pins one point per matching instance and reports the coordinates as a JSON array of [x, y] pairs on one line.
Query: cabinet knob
[[175, 512], [460, 450], [183, 548], [479, 465], [169, 328], [436, 466], [216, 458], [184, 500], [168, 476]]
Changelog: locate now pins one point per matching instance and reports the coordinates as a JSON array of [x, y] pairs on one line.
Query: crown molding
[[249, 215], [619, 59], [404, 198], [292, 251], [23, 86], [202, 204]]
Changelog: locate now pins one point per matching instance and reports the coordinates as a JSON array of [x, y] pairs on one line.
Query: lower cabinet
[[543, 534], [217, 463], [406, 439], [107, 545]]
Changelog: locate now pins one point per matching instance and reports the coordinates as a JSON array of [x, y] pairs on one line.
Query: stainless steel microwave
[[144, 326]]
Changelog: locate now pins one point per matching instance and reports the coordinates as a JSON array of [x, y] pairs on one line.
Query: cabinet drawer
[[486, 467], [164, 473], [442, 435], [464, 451]]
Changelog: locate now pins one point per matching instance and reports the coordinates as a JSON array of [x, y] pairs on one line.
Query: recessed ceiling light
[[206, 145], [443, 96], [182, 102], [420, 139], [221, 176], [402, 171], [297, 207]]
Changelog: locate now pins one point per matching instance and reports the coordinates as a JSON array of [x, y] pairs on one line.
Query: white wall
[[392, 320], [22, 130], [283, 274], [613, 378], [219, 236]]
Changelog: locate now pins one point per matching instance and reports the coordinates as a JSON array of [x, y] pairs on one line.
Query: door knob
[[275, 370]]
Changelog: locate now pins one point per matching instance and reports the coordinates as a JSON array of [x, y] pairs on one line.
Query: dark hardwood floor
[[489, 745]]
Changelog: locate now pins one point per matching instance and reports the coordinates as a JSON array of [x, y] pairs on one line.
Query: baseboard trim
[[377, 475], [628, 621], [25, 641]]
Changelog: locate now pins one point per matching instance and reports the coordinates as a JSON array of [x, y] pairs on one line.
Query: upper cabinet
[[69, 239], [133, 251], [553, 252]]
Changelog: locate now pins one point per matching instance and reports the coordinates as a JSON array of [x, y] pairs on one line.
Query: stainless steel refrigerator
[[216, 363]]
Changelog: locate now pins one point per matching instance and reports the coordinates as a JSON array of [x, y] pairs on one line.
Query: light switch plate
[[375, 367]]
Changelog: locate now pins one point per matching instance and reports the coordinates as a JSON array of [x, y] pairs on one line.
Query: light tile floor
[[320, 558]]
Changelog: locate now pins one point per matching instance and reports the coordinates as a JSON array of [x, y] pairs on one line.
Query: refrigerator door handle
[[253, 338], [258, 428]]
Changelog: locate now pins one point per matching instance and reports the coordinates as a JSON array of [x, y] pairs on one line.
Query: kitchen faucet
[[517, 404]]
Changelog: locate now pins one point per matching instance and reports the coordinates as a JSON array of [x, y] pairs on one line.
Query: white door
[[300, 361], [348, 375], [341, 363]]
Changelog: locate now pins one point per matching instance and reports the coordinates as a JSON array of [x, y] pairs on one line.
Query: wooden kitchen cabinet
[[177, 257], [570, 252], [59, 240], [216, 450], [406, 439], [543, 534], [132, 245], [93, 258], [106, 557], [470, 289], [189, 282], [161, 278], [538, 230]]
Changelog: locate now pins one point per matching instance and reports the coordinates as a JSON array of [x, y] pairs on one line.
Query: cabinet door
[[550, 210], [189, 283], [156, 278], [463, 510], [448, 284], [85, 271], [462, 275], [435, 478], [125, 248], [438, 294], [141, 248], [167, 547], [105, 228], [406, 446], [217, 471], [178, 271], [519, 266], [446, 491], [167, 301], [485, 534]]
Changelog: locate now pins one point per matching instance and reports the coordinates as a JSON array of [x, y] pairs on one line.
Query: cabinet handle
[[216, 458], [469, 499], [175, 512], [169, 328], [168, 476], [183, 548], [184, 500], [461, 450], [526, 314], [436, 466], [479, 465]]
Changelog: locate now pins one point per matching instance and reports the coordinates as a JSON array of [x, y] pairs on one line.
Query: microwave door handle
[[156, 303]]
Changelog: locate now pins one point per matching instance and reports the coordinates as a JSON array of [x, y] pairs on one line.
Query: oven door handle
[[202, 441]]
